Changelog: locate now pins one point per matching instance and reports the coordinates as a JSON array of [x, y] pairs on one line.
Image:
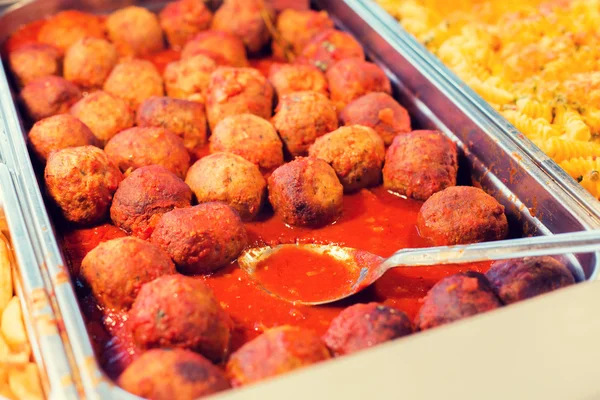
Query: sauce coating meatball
[[184, 118], [82, 181], [89, 61], [250, 137], [33, 61], [67, 27], [362, 326], [144, 196], [302, 117], [230, 179], [419, 164], [223, 44], [456, 297], [59, 132], [329, 47], [356, 154], [135, 31], [105, 114], [233, 91], [167, 374], [182, 19], [138, 147], [188, 78], [288, 78], [351, 78], [134, 81], [379, 111], [47, 96], [520, 279], [180, 312], [306, 192], [203, 238], [116, 270], [297, 28], [275, 352], [462, 215]]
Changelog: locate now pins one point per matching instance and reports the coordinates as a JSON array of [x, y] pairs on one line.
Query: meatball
[[105, 114], [244, 19], [306, 192], [188, 78], [138, 147], [379, 111], [356, 154], [47, 96], [135, 31], [462, 215], [520, 279], [181, 117], [288, 78], [67, 27], [144, 196], [419, 164], [59, 132], [351, 78], [82, 181], [182, 312], [230, 179], [134, 81], [182, 19], [116, 270], [251, 137], [33, 61], [233, 91], [362, 326], [203, 238], [89, 61], [223, 44], [456, 297], [297, 27], [275, 352], [302, 117], [166, 374], [329, 47]]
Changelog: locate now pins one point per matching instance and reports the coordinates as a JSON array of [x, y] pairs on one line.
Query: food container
[[535, 203]]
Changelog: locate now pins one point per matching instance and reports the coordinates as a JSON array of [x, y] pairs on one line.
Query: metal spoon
[[370, 267]]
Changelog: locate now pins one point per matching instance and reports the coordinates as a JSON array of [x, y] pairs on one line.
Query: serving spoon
[[365, 268]]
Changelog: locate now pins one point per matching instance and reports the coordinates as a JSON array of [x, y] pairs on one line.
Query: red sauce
[[161, 59], [26, 34]]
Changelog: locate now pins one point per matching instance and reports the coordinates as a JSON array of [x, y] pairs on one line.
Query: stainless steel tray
[[535, 204]]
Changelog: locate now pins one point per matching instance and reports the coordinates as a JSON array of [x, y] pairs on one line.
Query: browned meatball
[[59, 132], [356, 154], [233, 91], [134, 81], [419, 164], [230, 179], [306, 192], [456, 297], [188, 78], [135, 31], [362, 326], [302, 117], [138, 147], [275, 352], [351, 78], [297, 28], [222, 44], [379, 111], [167, 374], [105, 114], [67, 27], [329, 47], [251, 137], [203, 238], [47, 96], [461, 215], [33, 61], [82, 181], [182, 19], [179, 311], [289, 78], [116, 270], [89, 61], [184, 118], [144, 196]]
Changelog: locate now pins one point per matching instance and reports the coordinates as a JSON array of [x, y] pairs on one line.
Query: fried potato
[[6, 392], [13, 328], [25, 382], [6, 286]]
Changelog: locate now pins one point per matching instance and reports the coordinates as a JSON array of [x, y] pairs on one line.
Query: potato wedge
[[6, 285], [12, 326], [6, 392], [25, 382]]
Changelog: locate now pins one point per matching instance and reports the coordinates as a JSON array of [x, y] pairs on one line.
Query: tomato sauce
[[161, 59], [26, 34]]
